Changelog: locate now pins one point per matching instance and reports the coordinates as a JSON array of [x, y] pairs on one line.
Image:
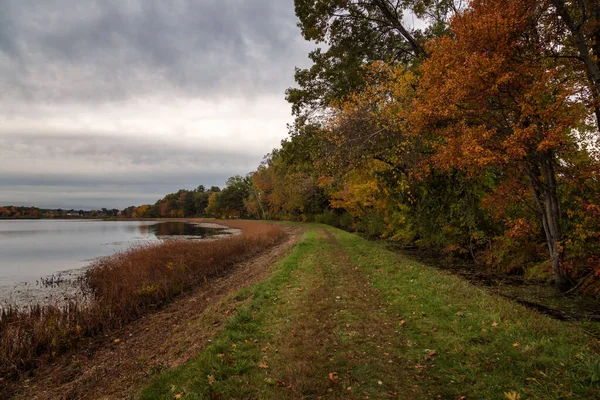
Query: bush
[[338, 219], [373, 225]]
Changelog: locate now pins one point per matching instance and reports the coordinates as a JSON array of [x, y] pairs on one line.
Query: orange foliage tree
[[489, 99]]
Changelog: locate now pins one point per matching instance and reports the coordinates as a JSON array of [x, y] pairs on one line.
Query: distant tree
[[232, 198], [214, 207], [200, 201]]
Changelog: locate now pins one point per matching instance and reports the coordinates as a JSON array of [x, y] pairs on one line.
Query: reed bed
[[121, 288]]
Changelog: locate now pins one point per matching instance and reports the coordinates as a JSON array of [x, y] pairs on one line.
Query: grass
[[342, 317], [231, 363], [122, 288], [485, 345]]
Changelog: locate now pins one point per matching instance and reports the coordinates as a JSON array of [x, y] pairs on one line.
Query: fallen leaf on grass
[[512, 395], [333, 378], [211, 380], [117, 340], [270, 381], [263, 365], [179, 395], [430, 354]]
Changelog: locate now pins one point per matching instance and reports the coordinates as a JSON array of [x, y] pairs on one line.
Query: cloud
[[61, 164], [118, 102], [68, 50], [97, 170]]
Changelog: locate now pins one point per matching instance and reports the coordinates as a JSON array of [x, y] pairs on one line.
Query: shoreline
[[120, 289], [57, 288]]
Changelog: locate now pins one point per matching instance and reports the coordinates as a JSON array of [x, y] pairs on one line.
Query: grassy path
[[342, 317]]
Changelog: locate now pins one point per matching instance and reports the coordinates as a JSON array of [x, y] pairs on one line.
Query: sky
[[115, 103]]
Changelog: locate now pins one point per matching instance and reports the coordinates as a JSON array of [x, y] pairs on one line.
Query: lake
[[32, 249]]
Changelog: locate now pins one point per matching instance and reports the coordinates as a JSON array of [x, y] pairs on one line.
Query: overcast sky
[[117, 103]]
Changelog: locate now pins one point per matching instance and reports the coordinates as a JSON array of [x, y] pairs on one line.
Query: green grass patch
[[230, 366], [475, 344], [388, 327]]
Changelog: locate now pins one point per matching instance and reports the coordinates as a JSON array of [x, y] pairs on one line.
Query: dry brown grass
[[120, 289]]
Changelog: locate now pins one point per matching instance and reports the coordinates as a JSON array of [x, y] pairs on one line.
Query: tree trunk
[[585, 50], [543, 180], [394, 22]]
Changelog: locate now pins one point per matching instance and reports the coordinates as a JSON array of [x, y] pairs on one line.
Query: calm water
[[31, 249]]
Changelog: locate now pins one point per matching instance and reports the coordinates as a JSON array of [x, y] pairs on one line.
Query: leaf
[[333, 378], [263, 365], [211, 380], [512, 395]]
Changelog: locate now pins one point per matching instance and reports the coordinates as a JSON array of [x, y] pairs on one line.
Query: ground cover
[[342, 317]]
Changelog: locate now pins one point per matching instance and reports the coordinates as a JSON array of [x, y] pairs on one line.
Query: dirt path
[[117, 365], [338, 339]]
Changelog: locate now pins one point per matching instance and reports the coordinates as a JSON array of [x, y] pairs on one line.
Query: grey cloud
[[136, 68], [96, 170], [74, 50], [140, 149]]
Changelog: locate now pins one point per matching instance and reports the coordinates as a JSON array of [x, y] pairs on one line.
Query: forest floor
[[328, 314]]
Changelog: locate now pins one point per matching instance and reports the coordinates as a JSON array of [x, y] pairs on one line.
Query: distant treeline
[[20, 212], [227, 203]]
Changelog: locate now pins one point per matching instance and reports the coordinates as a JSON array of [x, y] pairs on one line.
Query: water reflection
[[177, 228], [31, 249]]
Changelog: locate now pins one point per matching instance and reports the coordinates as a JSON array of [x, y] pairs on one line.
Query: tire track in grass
[[338, 339], [343, 306]]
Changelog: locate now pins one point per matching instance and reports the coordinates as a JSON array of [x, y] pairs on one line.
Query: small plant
[[148, 289]]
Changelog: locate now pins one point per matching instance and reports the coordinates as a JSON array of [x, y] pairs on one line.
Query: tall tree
[[492, 100]]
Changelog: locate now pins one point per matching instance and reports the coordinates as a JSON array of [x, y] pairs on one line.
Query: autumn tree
[[492, 101], [285, 185], [214, 206], [234, 194], [356, 33]]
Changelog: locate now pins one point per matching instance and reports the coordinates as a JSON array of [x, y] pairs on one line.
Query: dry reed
[[120, 289]]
